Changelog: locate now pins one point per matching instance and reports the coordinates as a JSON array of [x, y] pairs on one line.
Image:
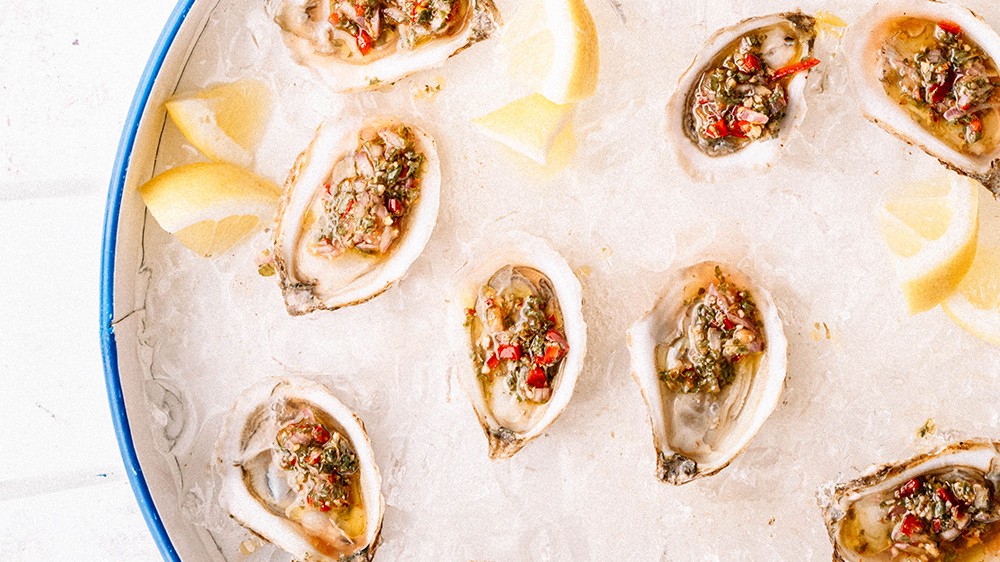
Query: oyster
[[944, 505], [297, 468], [358, 45], [357, 209], [926, 72], [710, 360], [519, 315], [736, 104]]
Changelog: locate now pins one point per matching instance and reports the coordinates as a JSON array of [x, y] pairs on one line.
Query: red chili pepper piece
[[794, 68], [728, 324], [492, 362], [395, 206], [509, 352], [911, 524], [555, 348], [936, 525], [976, 125], [334, 18], [555, 336], [536, 378], [938, 91], [748, 63], [364, 41], [552, 354], [910, 487], [946, 495], [470, 311], [717, 130], [320, 434], [950, 27], [740, 129]]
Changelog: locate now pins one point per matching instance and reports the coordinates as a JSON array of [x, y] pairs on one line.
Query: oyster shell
[[341, 237], [701, 423], [519, 316], [904, 493], [275, 423], [876, 45], [382, 45], [786, 40]]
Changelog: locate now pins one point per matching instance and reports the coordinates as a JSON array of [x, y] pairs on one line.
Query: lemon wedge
[[209, 207], [975, 305], [932, 229], [224, 122], [553, 48], [529, 125]]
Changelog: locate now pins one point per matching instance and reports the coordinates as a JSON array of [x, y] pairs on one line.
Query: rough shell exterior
[[333, 141], [519, 249], [482, 21], [862, 44], [757, 156], [764, 391], [250, 413], [835, 498]]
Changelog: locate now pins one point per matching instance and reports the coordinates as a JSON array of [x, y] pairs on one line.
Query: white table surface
[[67, 78]]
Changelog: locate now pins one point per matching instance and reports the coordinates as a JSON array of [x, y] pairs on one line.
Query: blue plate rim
[[109, 348]]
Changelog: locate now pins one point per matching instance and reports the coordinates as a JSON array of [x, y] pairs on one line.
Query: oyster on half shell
[[927, 72], [943, 505], [710, 360], [356, 211], [297, 468], [358, 45], [735, 106], [519, 316]]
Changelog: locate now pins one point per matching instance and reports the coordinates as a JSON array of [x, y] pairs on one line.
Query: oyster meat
[[943, 505], [710, 360], [357, 209], [297, 468], [358, 45], [520, 318], [744, 92], [927, 72]]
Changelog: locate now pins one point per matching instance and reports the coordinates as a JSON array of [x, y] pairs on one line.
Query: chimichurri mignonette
[[360, 44], [927, 72], [710, 361], [945, 81], [522, 326], [743, 92], [357, 209]]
